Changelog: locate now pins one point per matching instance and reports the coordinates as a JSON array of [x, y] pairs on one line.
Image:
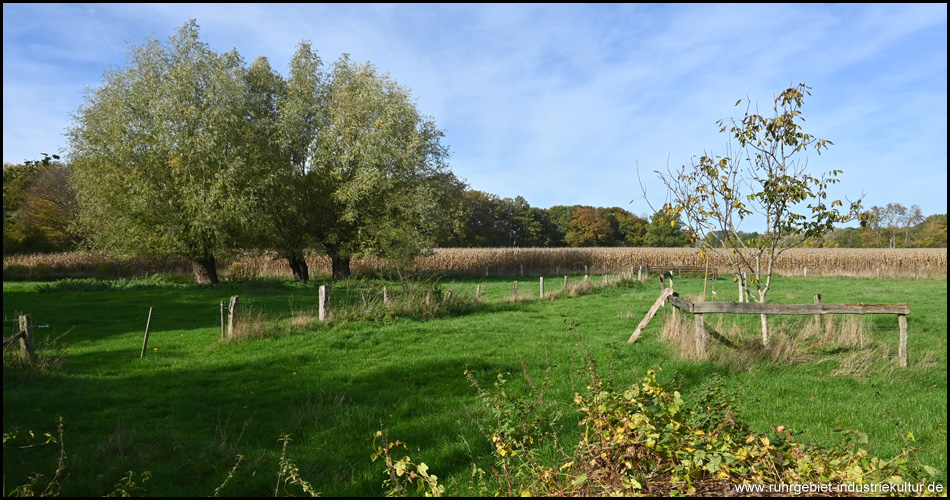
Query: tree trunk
[[341, 267], [205, 269], [298, 265]]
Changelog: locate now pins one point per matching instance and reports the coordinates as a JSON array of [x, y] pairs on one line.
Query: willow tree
[[166, 152], [764, 177], [379, 169], [296, 213]]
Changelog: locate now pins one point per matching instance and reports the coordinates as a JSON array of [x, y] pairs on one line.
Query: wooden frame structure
[[817, 309]]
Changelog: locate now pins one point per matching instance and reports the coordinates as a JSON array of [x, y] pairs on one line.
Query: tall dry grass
[[919, 263], [845, 340]]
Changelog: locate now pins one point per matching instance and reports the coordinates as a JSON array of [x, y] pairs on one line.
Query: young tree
[[167, 153], [762, 176]]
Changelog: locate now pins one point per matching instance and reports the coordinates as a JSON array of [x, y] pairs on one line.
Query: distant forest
[[39, 214]]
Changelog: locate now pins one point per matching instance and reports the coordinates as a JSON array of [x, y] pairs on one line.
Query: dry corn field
[[919, 263]]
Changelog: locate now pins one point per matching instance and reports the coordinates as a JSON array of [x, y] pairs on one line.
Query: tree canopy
[[188, 152]]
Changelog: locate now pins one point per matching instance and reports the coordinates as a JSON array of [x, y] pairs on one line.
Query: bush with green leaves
[[646, 440]]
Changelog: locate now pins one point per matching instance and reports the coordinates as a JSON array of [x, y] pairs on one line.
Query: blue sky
[[561, 104]]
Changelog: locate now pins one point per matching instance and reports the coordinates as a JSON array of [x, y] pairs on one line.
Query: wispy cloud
[[557, 103]]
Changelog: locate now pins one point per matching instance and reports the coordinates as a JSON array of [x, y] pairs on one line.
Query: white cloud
[[559, 103]]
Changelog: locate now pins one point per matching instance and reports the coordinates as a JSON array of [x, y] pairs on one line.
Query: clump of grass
[[49, 357], [736, 344], [251, 324]]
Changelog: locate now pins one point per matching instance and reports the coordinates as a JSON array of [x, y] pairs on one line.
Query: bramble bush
[[644, 440]]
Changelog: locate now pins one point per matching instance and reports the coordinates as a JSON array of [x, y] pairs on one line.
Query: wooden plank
[[656, 305], [680, 303], [793, 309]]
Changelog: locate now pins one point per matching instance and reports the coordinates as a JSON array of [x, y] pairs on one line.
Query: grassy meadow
[[195, 406]]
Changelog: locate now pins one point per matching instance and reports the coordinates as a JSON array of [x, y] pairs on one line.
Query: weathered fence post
[[324, 302], [514, 291], [902, 349], [640, 273], [700, 334], [565, 282], [478, 293], [585, 277], [819, 319], [385, 297], [232, 316], [448, 296], [223, 337], [542, 286], [148, 324], [27, 343]]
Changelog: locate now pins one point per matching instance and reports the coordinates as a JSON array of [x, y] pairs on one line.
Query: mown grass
[[194, 403]]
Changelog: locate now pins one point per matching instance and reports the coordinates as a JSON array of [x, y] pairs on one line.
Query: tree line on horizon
[[39, 215]]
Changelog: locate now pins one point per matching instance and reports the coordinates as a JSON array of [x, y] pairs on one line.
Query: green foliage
[[289, 474], [402, 472], [645, 440], [587, 228], [38, 207], [665, 231], [380, 169], [153, 282], [13, 441], [171, 153]]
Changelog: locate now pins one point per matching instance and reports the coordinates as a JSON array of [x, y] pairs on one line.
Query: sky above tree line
[[561, 104]]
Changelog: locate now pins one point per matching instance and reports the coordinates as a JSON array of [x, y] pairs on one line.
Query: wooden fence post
[[148, 324], [27, 344], [542, 287], [514, 291], [819, 319], [223, 337], [385, 297], [448, 295], [565, 281], [902, 350], [478, 293], [324, 302], [639, 273], [232, 316], [700, 334]]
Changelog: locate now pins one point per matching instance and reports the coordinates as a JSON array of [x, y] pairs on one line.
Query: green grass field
[[194, 403]]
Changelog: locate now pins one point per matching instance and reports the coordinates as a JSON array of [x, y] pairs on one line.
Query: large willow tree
[[187, 152], [172, 154]]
